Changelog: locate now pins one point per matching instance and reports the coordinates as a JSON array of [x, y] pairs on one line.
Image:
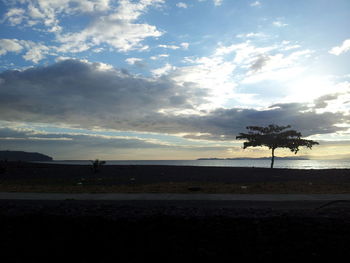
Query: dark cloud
[[80, 94], [260, 62], [29, 136], [86, 146], [322, 102], [75, 92], [225, 124]]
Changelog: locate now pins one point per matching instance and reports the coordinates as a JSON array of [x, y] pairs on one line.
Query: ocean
[[293, 164]]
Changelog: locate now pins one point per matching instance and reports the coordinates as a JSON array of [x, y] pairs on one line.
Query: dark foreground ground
[[35, 177], [172, 231]]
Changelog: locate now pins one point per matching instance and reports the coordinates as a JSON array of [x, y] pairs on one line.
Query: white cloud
[[132, 61], [279, 24], [245, 52], [118, 29], [159, 56], [46, 12], [15, 16], [34, 51], [217, 2], [252, 35], [10, 45], [62, 58], [212, 73], [163, 70], [113, 25], [185, 45], [290, 47], [309, 87], [255, 4], [344, 47], [181, 5], [238, 73], [98, 50], [174, 47], [277, 67]]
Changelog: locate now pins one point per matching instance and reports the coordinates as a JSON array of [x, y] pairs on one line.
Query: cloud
[[10, 45], [118, 29], [78, 145], [185, 45], [181, 5], [88, 95], [47, 13], [218, 2], [34, 51], [174, 47], [279, 24], [334, 102], [338, 50], [163, 70], [322, 102], [268, 65], [159, 56], [14, 16], [230, 68], [213, 73], [260, 62], [255, 4], [244, 52], [110, 24], [252, 35], [132, 61], [94, 140]]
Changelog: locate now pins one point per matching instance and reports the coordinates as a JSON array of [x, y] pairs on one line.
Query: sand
[[29, 177]]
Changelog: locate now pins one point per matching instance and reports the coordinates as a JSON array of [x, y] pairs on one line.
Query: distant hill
[[261, 158], [24, 156]]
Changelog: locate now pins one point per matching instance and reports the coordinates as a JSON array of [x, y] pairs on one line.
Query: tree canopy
[[273, 137]]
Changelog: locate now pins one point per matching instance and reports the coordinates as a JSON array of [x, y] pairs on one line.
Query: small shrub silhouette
[[96, 165]]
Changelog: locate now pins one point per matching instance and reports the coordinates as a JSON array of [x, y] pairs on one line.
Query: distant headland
[[24, 156], [261, 158]]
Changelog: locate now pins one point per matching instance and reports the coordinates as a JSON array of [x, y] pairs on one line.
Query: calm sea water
[[295, 164]]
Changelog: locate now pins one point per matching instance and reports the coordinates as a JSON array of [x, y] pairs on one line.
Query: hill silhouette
[[24, 156]]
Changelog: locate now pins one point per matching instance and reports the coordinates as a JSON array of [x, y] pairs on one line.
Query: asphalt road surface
[[276, 201]]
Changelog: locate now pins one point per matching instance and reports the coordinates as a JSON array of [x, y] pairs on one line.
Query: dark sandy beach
[[36, 177], [130, 231]]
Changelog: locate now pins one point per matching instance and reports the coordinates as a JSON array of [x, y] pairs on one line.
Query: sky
[[168, 79]]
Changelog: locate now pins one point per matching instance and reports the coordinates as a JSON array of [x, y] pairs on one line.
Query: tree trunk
[[273, 157]]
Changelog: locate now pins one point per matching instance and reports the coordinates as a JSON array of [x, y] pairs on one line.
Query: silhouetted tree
[[274, 137]]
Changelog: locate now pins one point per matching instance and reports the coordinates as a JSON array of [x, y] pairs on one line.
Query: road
[[175, 197]]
